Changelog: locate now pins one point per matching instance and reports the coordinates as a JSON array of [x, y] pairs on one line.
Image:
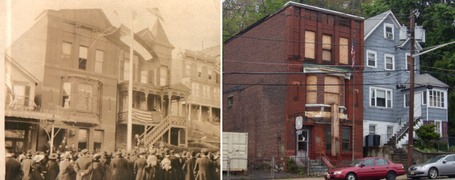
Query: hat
[[53, 156], [97, 156], [119, 153], [29, 154], [38, 157], [84, 151]]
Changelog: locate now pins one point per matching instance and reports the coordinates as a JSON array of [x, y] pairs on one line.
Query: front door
[[303, 139]]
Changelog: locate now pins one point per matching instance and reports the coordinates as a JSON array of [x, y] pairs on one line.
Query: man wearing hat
[[188, 167], [27, 164], [52, 167], [82, 164], [140, 167], [119, 167], [66, 169], [13, 167], [96, 170], [202, 167]]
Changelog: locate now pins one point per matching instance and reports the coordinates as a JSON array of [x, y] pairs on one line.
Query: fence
[[267, 167]]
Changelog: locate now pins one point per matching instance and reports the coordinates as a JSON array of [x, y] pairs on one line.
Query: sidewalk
[[257, 175]]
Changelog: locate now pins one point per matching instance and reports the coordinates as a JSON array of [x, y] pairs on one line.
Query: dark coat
[[13, 169], [66, 171], [140, 169], [27, 167], [188, 168], [96, 171], [81, 166], [119, 168], [52, 170], [36, 172], [202, 168]]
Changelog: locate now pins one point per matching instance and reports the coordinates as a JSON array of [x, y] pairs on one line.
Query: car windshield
[[355, 163], [435, 159]]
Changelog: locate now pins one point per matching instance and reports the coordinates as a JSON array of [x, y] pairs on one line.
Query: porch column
[[169, 136], [210, 114], [178, 108], [161, 105], [200, 113], [169, 102], [189, 111]]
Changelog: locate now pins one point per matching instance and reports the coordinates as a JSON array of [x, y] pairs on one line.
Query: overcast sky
[[191, 24]]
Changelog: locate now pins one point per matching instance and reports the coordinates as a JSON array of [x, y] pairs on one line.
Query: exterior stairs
[[400, 134], [399, 156], [153, 134], [317, 168]]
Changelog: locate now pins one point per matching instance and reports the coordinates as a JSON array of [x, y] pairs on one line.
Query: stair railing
[[325, 159]]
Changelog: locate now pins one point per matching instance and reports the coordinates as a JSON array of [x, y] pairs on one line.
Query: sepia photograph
[[111, 89]]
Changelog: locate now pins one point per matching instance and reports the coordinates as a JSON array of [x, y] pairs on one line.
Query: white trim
[[393, 31], [375, 58], [440, 127], [290, 3], [405, 100], [424, 92], [374, 125], [385, 61], [384, 89], [444, 92]]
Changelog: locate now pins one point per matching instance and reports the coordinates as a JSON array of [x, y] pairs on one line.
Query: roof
[[426, 79], [22, 69], [237, 88], [401, 44], [160, 35], [372, 23]]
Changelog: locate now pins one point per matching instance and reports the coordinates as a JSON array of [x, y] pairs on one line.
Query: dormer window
[[388, 31]]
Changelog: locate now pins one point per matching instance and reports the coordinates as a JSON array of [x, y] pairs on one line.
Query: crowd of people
[[139, 164]]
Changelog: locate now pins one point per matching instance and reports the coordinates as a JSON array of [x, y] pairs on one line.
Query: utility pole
[[411, 94]]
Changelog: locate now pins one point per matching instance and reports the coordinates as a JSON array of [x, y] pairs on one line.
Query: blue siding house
[[386, 84]]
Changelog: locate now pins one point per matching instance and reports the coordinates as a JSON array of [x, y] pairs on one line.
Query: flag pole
[[129, 131], [353, 96]]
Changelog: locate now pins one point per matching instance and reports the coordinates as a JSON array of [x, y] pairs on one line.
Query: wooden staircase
[[398, 136], [153, 134]]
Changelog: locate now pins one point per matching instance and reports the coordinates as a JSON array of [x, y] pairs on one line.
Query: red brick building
[[301, 56]]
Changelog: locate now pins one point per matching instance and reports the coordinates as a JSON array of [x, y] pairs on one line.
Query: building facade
[[295, 64], [80, 61], [386, 93]]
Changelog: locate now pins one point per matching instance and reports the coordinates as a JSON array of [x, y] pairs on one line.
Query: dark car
[[367, 168], [442, 165]]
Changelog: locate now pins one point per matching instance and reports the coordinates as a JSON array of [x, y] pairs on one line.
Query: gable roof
[[22, 69], [426, 79], [160, 35], [372, 23], [402, 43]]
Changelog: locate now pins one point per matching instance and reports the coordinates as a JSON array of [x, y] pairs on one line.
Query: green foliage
[[291, 167], [426, 136], [452, 149]]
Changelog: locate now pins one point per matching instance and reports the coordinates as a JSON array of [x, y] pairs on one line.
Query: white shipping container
[[235, 146]]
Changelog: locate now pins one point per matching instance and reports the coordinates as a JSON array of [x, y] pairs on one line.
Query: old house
[[386, 84], [296, 64]]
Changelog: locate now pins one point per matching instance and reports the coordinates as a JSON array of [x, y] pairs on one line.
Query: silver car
[[442, 165]]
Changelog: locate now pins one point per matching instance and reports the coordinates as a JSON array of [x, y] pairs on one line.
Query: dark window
[[329, 137], [230, 101], [345, 142], [83, 52]]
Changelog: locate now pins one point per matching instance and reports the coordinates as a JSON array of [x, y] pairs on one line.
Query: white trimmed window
[[437, 99], [389, 62], [388, 31], [424, 97], [408, 60], [372, 58], [99, 59], [438, 127], [380, 97], [372, 129], [406, 100]]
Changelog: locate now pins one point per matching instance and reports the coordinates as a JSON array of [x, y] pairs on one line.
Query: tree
[[426, 135]]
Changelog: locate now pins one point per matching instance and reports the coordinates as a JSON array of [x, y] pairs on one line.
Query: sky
[[191, 24]]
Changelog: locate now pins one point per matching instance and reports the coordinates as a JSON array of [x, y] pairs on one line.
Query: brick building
[[303, 55], [79, 61]]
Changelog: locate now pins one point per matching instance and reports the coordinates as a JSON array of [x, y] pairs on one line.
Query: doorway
[[303, 137]]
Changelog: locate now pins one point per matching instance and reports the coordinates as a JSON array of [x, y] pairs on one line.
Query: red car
[[367, 168]]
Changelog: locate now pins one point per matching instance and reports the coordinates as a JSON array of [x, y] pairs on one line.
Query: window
[[230, 100], [326, 48], [381, 162], [380, 97], [188, 70], [344, 50], [389, 132], [126, 70], [163, 76], [21, 95], [85, 92], [328, 137], [388, 31], [406, 100], [437, 98], [199, 71], [82, 138], [424, 97], [372, 129], [372, 58], [369, 162], [209, 74], [99, 61], [66, 50], [310, 44], [345, 138], [144, 75], [204, 91], [438, 127], [66, 95], [311, 95], [98, 140], [408, 61], [331, 90], [83, 52], [450, 158], [389, 61]]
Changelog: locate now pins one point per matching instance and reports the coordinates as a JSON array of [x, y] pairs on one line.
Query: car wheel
[[351, 176], [433, 173], [391, 175]]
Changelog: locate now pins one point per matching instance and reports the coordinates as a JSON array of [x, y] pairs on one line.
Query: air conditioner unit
[[389, 35]]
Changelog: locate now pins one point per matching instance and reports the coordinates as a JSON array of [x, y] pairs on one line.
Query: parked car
[[367, 168], [442, 165]]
